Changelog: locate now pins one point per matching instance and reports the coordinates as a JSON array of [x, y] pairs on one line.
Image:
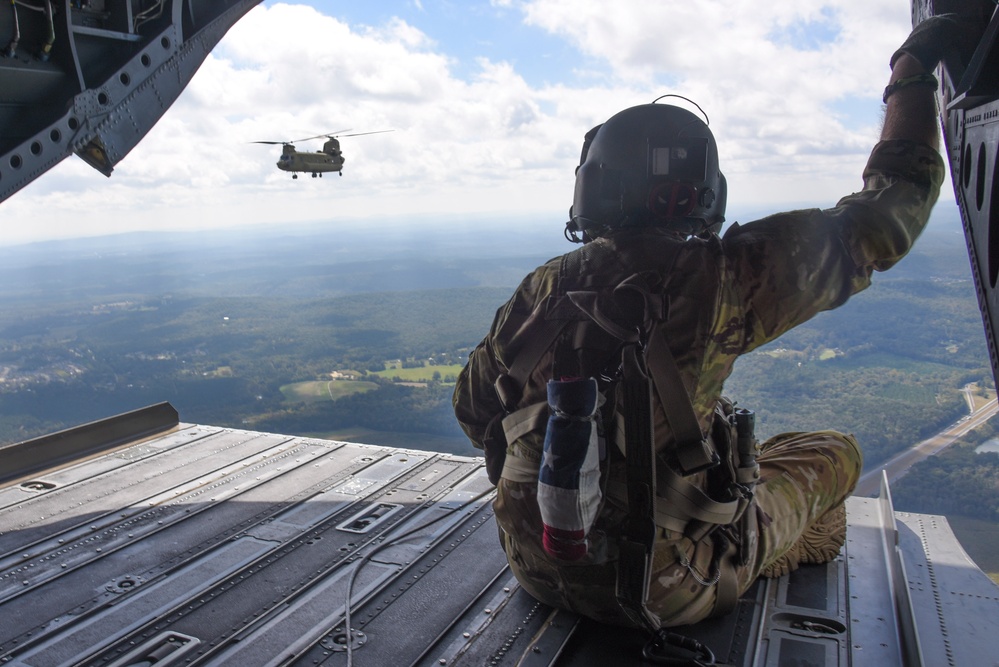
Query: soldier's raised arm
[[911, 112]]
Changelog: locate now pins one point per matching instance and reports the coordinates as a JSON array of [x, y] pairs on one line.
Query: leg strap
[[727, 588]]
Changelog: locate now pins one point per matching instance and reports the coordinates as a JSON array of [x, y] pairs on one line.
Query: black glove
[[939, 35]]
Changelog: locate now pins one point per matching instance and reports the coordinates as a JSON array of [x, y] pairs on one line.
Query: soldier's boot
[[820, 543]]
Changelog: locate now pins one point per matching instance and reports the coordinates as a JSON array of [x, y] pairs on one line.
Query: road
[[870, 482]]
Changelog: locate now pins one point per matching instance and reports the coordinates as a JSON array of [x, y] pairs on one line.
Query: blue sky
[[488, 102], [471, 30]]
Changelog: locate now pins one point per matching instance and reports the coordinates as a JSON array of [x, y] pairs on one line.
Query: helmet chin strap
[[578, 225], [691, 227], [571, 232]]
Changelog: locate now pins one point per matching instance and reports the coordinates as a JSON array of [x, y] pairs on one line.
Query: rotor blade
[[272, 143], [328, 134], [361, 134]]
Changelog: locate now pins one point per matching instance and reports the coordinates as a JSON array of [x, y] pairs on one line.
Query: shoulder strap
[[554, 314], [693, 450], [510, 385]]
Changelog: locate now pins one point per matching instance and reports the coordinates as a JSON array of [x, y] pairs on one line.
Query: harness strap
[[682, 507], [686, 499], [556, 313], [679, 502], [517, 469], [587, 302], [510, 385], [693, 450], [638, 534], [525, 420], [727, 588]]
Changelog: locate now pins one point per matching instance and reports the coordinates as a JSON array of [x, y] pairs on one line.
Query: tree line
[[957, 481], [893, 381]]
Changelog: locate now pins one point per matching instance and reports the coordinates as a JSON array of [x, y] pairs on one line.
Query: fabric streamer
[[569, 478]]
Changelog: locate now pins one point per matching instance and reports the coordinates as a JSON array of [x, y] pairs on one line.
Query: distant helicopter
[[330, 158]]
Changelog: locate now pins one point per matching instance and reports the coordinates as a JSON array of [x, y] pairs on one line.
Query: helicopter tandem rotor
[[330, 158]]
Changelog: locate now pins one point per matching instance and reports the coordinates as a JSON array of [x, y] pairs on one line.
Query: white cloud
[[771, 100], [773, 82]]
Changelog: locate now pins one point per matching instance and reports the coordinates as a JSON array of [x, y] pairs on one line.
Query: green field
[[324, 390], [422, 374]]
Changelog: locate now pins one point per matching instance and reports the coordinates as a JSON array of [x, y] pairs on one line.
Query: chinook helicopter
[[330, 158]]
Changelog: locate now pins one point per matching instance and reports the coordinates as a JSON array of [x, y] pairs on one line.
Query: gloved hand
[[939, 35]]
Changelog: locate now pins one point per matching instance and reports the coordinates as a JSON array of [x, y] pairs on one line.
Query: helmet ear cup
[[596, 198], [587, 141]]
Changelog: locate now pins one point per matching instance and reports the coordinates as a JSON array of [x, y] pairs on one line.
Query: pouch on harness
[[615, 349]]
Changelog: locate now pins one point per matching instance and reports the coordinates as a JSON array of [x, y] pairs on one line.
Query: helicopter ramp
[[142, 540]]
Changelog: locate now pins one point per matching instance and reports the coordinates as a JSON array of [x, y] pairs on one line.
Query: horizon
[[945, 215]]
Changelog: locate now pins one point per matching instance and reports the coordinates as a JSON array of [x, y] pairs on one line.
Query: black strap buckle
[[696, 456], [669, 648]]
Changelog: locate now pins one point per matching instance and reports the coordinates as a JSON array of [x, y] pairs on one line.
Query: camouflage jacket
[[726, 295]]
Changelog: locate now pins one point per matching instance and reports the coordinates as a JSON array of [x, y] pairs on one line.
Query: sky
[[488, 102]]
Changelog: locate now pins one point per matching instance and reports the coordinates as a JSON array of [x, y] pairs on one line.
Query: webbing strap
[[587, 302], [693, 450], [517, 469], [638, 533], [727, 588], [550, 310], [534, 348], [525, 420], [680, 502], [681, 498]]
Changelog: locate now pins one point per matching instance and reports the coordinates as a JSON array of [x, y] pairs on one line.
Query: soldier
[[653, 276]]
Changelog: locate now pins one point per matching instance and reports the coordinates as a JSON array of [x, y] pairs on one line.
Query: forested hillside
[[94, 334], [886, 367], [960, 480]]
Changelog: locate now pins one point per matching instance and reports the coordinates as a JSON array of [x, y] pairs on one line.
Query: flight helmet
[[649, 165]]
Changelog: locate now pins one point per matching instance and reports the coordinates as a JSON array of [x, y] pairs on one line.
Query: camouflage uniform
[[726, 297]]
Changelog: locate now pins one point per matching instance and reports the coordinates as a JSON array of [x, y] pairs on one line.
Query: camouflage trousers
[[802, 476]]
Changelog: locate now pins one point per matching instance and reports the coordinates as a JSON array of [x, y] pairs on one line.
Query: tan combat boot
[[820, 543]]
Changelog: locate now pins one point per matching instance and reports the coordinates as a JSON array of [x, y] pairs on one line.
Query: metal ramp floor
[[141, 540]]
